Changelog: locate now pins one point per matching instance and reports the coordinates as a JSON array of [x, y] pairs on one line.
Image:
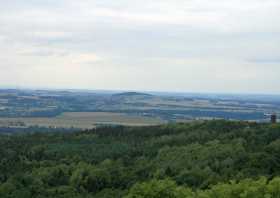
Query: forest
[[207, 159]]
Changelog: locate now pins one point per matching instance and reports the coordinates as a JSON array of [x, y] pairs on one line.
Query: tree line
[[200, 159]]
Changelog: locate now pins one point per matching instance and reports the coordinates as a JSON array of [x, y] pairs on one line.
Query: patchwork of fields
[[86, 109], [83, 120]]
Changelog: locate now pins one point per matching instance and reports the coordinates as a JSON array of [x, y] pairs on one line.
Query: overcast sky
[[160, 45]]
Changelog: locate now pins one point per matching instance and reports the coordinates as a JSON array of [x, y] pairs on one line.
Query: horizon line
[[135, 90]]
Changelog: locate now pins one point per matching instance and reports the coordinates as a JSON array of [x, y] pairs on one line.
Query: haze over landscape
[[139, 99], [161, 45]]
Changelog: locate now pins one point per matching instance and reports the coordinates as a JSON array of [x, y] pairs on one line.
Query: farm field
[[130, 108], [84, 120]]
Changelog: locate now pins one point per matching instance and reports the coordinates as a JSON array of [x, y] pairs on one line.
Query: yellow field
[[86, 120]]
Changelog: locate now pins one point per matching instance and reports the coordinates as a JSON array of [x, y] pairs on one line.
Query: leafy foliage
[[199, 159]]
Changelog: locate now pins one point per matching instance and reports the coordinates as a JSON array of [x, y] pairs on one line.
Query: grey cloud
[[266, 61], [125, 36]]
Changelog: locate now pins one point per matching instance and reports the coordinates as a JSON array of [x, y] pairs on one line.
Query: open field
[[84, 120], [47, 106]]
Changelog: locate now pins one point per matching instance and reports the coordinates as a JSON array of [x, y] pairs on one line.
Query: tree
[[159, 189]]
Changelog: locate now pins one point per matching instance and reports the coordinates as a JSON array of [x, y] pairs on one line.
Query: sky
[[230, 46]]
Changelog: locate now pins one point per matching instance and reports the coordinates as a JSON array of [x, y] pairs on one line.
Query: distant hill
[[129, 94]]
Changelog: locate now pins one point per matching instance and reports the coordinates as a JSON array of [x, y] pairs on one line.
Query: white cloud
[[194, 45]]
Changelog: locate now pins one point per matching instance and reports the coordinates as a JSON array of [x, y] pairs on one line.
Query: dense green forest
[[211, 159]]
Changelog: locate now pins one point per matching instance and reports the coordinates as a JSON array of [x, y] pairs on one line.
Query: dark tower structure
[[273, 118]]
